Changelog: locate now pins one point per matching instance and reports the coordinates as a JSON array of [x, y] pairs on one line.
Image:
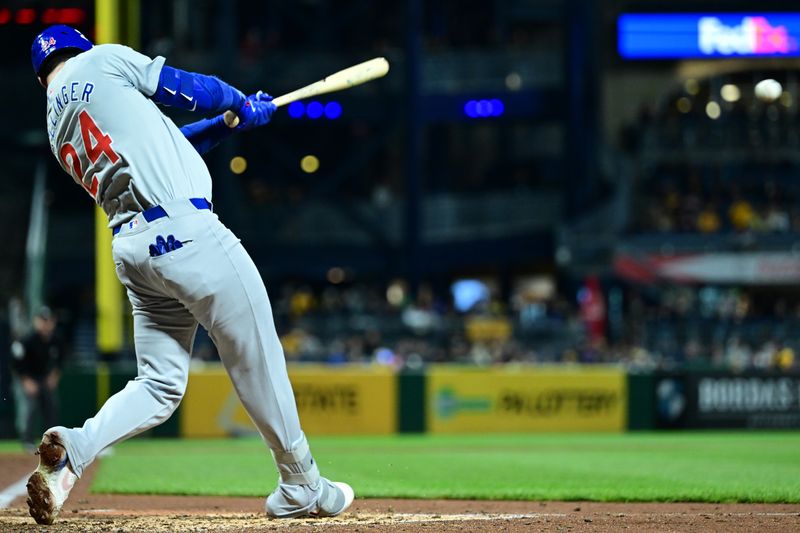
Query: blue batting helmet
[[53, 39]]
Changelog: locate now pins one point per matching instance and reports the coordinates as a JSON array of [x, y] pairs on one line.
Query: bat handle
[[230, 118]]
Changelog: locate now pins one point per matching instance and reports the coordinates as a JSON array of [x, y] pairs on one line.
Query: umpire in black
[[36, 362]]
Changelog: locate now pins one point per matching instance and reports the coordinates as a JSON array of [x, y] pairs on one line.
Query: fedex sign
[[675, 36], [754, 36]]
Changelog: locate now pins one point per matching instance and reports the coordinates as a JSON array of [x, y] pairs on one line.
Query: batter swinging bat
[[344, 79]]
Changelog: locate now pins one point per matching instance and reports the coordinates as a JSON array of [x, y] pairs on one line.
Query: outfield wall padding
[[730, 400], [641, 401], [77, 396], [331, 400], [411, 402], [359, 399], [523, 398]]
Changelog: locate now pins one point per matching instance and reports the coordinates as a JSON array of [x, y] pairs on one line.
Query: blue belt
[[156, 212]]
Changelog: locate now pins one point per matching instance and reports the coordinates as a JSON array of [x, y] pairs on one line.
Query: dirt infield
[[115, 513]]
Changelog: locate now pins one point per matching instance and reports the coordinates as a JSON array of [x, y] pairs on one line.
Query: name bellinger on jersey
[[57, 100]]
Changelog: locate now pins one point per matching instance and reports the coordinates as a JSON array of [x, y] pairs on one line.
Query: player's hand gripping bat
[[344, 79]]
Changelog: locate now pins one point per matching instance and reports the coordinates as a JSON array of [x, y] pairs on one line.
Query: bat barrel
[[343, 79]]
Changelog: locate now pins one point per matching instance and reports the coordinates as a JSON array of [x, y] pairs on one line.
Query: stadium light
[[333, 110], [314, 110], [497, 106], [296, 109], [309, 163], [484, 108], [713, 110], [238, 164], [25, 16], [730, 93]]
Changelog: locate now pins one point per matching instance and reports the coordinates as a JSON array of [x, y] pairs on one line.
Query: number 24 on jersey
[[95, 143]]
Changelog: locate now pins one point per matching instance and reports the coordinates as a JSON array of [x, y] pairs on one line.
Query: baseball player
[[180, 265]]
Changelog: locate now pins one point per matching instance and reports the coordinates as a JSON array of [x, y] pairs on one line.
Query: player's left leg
[[217, 281], [163, 335]]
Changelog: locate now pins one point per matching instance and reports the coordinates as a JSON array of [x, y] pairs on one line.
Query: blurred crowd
[[374, 323], [714, 158], [686, 198], [641, 327], [658, 328], [716, 113], [713, 326]]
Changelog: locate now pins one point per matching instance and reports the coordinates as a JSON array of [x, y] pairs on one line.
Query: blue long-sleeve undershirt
[[207, 133], [195, 92], [198, 92]]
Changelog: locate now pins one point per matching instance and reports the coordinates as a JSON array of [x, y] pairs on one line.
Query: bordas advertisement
[[729, 401]]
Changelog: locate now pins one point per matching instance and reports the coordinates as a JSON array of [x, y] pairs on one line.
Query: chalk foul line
[[10, 493]]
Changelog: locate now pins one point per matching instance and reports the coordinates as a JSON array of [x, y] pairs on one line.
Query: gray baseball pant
[[211, 280]]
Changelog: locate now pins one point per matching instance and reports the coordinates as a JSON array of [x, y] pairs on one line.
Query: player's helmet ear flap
[[56, 38]]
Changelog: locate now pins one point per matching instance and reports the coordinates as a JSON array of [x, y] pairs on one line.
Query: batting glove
[[256, 111]]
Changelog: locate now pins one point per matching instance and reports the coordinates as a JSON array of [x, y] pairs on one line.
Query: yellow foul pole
[[116, 21]]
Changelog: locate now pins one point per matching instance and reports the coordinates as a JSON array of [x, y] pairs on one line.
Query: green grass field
[[711, 467]]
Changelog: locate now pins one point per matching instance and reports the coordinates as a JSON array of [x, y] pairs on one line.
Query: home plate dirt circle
[[128, 513], [409, 515], [107, 520]]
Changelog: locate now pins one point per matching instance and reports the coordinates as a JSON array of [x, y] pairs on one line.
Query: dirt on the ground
[[125, 513]]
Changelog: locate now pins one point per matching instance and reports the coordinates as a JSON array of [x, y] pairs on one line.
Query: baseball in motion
[[768, 90]]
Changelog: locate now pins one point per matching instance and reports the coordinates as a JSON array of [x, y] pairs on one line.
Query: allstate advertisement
[[509, 399], [708, 35], [330, 400]]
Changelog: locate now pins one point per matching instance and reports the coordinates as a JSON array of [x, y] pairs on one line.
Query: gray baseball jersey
[[113, 140]]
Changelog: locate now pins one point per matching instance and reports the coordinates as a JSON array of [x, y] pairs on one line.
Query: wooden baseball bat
[[344, 79]]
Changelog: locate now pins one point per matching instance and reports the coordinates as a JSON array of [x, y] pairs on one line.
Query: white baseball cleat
[[334, 498], [50, 484], [332, 505]]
